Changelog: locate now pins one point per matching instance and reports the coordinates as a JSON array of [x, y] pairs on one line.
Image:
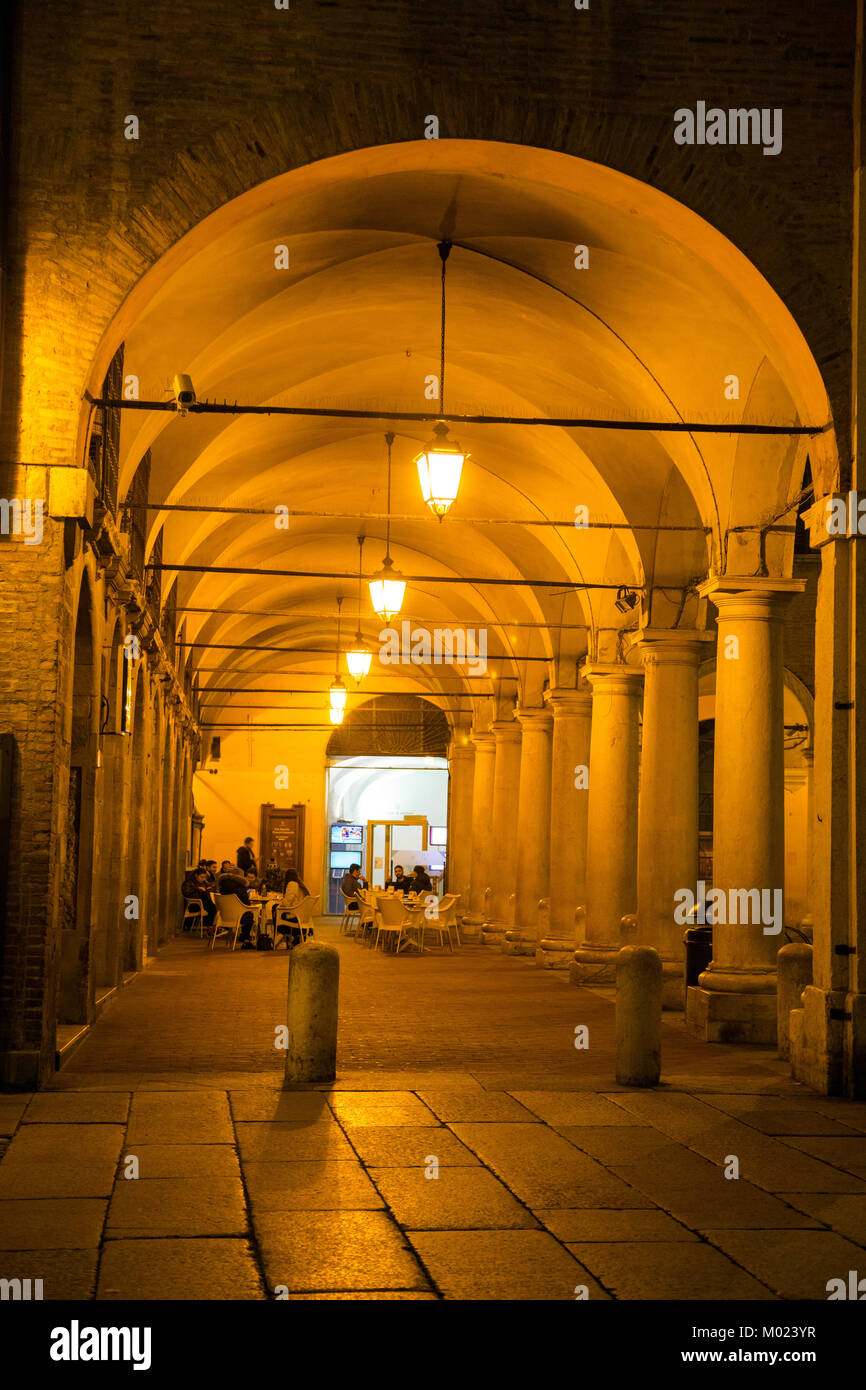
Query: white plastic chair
[[445, 920], [231, 910], [302, 913], [351, 916], [367, 899], [193, 912], [392, 917]]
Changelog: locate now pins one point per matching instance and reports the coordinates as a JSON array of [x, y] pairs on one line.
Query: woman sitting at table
[[294, 890], [421, 881]]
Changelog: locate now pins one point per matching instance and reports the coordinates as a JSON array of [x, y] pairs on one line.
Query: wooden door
[[281, 837]]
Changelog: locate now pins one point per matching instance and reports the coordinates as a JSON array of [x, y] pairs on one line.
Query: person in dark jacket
[[194, 889], [421, 880], [401, 881], [234, 882], [246, 858]]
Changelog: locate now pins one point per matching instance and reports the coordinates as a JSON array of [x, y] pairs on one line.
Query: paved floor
[[468, 1150]]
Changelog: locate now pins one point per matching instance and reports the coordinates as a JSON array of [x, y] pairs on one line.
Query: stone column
[[461, 766], [735, 1000], [506, 783], [667, 837], [611, 833], [482, 807], [533, 831], [569, 805]]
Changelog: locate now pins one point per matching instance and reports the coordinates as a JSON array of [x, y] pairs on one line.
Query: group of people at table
[[284, 889]]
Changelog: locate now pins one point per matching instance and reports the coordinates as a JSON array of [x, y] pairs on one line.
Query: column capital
[[613, 677], [673, 646], [566, 701], [534, 717], [506, 730], [483, 738], [757, 598], [460, 748]]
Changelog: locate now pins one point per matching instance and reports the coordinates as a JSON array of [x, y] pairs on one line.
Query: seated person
[[273, 877], [421, 881], [194, 889], [401, 882], [252, 881], [294, 890], [227, 867], [351, 882], [204, 866], [234, 882]]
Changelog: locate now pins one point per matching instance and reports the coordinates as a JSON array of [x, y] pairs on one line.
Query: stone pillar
[[611, 833], [828, 1034], [667, 837], [482, 807], [533, 831], [503, 878], [461, 766], [569, 805], [735, 1000]]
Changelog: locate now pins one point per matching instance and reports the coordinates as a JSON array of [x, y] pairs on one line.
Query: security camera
[[184, 394]]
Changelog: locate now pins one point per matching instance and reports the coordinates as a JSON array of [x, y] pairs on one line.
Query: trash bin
[[699, 952]]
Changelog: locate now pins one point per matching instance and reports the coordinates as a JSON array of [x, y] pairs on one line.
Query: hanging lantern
[[336, 715], [439, 468], [338, 694], [386, 591], [358, 659]]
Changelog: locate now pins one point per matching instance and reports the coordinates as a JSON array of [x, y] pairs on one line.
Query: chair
[[350, 913], [302, 913], [231, 910], [444, 921], [367, 899], [193, 912], [392, 917]]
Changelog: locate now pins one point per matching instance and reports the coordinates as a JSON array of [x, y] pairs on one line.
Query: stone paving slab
[[12, 1107], [387, 1108], [769, 1163], [290, 1107], [281, 1142], [522, 1265], [310, 1185], [624, 1225], [459, 1199], [474, 1105], [392, 1296], [794, 1264], [779, 1114], [573, 1108], [179, 1269], [202, 1161], [849, 1112], [718, 1202], [845, 1214], [408, 1146], [65, 1223], [846, 1153], [55, 1178], [71, 1107], [65, 1274], [182, 1207], [543, 1169], [318, 1251], [622, 1144], [668, 1270], [66, 1145], [181, 1117]]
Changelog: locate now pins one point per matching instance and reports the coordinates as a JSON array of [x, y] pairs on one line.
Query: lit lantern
[[336, 715], [338, 695], [439, 468], [386, 591], [358, 659]]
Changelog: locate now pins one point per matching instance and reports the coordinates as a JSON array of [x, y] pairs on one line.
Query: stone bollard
[[794, 963], [314, 980], [638, 1016]]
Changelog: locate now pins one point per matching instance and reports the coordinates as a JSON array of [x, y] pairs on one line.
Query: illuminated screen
[[347, 834], [341, 859], [438, 835]]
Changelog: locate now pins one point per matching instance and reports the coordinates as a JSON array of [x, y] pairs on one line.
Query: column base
[[594, 965], [673, 985], [554, 953], [722, 1016], [493, 933], [829, 1053], [518, 943]]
